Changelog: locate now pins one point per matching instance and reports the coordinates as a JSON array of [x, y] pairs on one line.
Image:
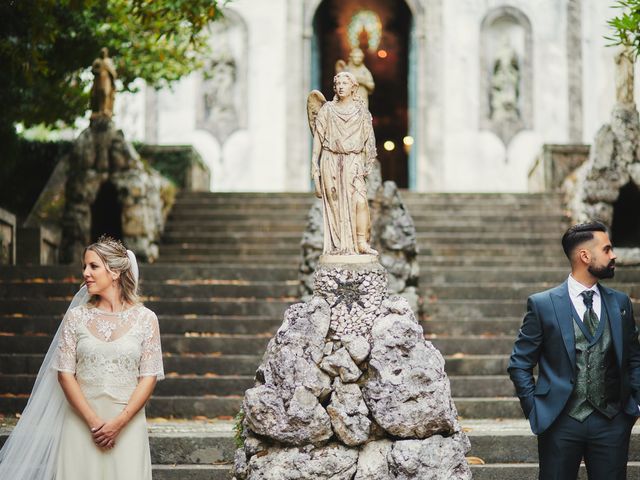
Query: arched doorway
[[382, 29], [625, 227], [106, 213]]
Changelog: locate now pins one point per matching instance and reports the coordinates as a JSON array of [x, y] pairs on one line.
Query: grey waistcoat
[[597, 385]]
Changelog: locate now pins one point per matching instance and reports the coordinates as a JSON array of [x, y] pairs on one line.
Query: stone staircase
[[227, 272]]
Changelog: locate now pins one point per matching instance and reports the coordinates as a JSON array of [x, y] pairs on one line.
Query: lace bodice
[[109, 352]]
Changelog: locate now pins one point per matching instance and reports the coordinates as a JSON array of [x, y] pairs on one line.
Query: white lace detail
[[109, 352]]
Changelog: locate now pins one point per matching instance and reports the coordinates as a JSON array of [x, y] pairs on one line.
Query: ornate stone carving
[[506, 73], [223, 85]]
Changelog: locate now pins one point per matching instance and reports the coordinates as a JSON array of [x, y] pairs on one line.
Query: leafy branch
[[626, 26]]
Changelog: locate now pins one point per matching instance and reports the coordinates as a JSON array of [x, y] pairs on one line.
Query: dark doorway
[[106, 213], [386, 57], [625, 228]]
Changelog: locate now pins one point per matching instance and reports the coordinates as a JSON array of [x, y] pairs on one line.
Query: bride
[[85, 418]]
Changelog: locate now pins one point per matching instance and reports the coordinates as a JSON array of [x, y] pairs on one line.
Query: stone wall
[[554, 164]]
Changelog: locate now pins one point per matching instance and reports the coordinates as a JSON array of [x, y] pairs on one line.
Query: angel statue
[[344, 150], [356, 66]]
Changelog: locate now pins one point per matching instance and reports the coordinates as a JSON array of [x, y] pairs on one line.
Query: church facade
[[466, 93]]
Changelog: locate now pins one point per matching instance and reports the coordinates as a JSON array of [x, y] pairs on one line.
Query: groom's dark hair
[[578, 234]]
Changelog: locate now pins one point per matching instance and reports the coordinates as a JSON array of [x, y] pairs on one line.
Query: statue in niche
[[103, 91], [344, 150], [220, 115], [357, 68], [624, 76], [505, 85]]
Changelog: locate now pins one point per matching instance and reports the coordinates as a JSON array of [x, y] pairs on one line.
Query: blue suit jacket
[[547, 339]]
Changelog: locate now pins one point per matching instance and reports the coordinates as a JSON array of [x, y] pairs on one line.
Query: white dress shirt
[[575, 290]]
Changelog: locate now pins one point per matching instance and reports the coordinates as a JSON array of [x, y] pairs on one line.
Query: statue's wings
[[315, 101], [341, 66]]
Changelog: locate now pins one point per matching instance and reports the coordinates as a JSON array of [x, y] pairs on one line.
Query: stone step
[[192, 472], [244, 198], [485, 408], [151, 290], [188, 214], [271, 307], [424, 222], [268, 259], [471, 309], [223, 233], [195, 385], [195, 364], [492, 238], [520, 260], [430, 275], [202, 385], [211, 406], [156, 272], [248, 344], [484, 327], [176, 324], [237, 250], [173, 344], [508, 471], [511, 440], [204, 450], [506, 291], [288, 224], [466, 364], [232, 364], [489, 252], [167, 407], [471, 345]]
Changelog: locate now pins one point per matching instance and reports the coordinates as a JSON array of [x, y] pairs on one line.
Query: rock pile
[[349, 389], [101, 154]]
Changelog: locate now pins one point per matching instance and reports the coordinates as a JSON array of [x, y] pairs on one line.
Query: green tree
[[626, 26], [46, 45]]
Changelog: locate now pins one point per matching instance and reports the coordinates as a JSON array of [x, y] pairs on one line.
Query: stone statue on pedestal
[[348, 388], [344, 149], [358, 69], [103, 90]]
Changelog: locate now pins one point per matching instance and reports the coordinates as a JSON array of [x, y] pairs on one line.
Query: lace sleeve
[[65, 356], [151, 358]]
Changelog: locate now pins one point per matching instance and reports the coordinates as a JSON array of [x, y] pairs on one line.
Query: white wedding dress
[[108, 353]]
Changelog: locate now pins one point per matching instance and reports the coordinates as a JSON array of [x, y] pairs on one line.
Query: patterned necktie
[[590, 318]]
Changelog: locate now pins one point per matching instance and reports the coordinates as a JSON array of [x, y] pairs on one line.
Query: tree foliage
[[46, 45], [626, 25]]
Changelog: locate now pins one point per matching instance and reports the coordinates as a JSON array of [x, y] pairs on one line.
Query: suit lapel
[[562, 306], [615, 320]]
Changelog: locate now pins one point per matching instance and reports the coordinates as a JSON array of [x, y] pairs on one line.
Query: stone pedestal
[[349, 389]]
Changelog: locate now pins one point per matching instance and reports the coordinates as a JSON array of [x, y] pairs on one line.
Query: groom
[[583, 338]]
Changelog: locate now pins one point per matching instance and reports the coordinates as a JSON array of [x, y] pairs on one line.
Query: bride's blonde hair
[[114, 256]]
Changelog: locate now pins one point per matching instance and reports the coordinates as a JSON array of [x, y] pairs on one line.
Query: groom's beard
[[603, 272]]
